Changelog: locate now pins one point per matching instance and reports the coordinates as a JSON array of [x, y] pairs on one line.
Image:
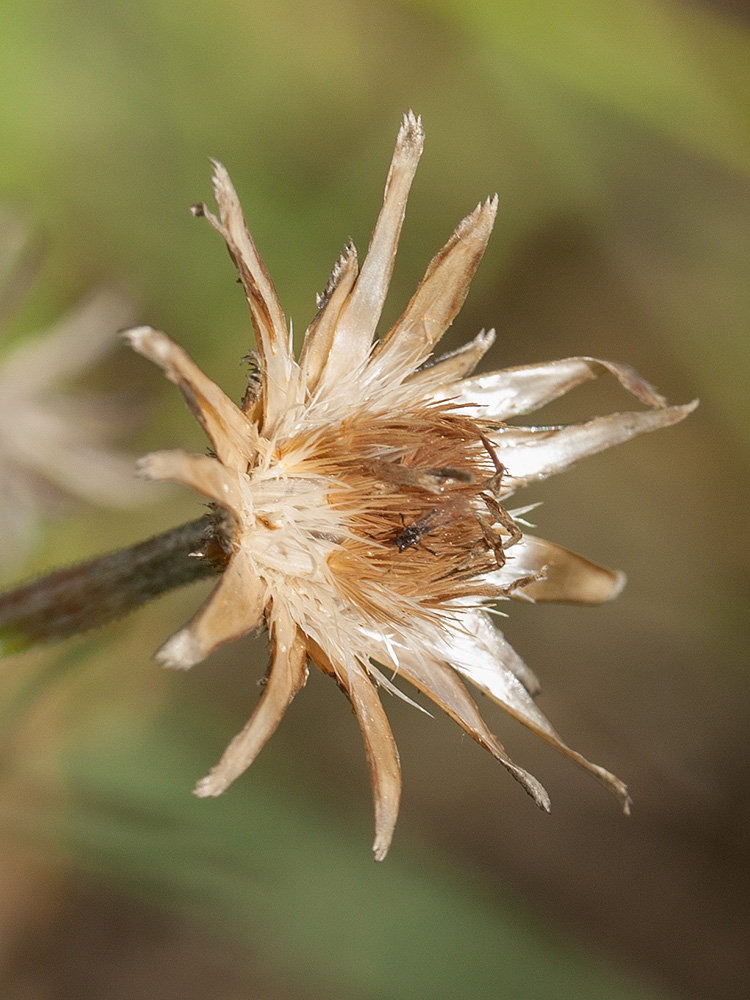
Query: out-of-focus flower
[[52, 441], [367, 484]]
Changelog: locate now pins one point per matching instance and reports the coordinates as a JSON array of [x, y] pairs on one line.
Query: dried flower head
[[53, 443], [367, 484]]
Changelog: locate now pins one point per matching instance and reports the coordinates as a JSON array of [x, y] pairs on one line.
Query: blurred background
[[618, 138]]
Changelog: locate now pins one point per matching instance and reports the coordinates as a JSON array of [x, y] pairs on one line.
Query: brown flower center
[[416, 492]]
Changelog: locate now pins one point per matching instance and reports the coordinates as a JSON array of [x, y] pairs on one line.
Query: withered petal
[[382, 754], [203, 473], [319, 337], [563, 575], [234, 608], [533, 453], [455, 364], [477, 654], [282, 385], [479, 625], [515, 391], [253, 273], [352, 338], [232, 436], [443, 687], [286, 675], [439, 296]]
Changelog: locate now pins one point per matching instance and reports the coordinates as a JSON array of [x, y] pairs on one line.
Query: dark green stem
[[73, 600]]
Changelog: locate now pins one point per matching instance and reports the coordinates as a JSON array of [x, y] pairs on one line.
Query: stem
[[78, 598]]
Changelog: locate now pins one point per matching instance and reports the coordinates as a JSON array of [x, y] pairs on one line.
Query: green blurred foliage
[[293, 882], [618, 137]]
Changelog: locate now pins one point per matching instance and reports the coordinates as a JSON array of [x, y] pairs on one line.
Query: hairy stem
[[73, 600]]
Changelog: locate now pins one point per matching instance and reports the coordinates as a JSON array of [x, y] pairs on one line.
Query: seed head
[[368, 483]]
